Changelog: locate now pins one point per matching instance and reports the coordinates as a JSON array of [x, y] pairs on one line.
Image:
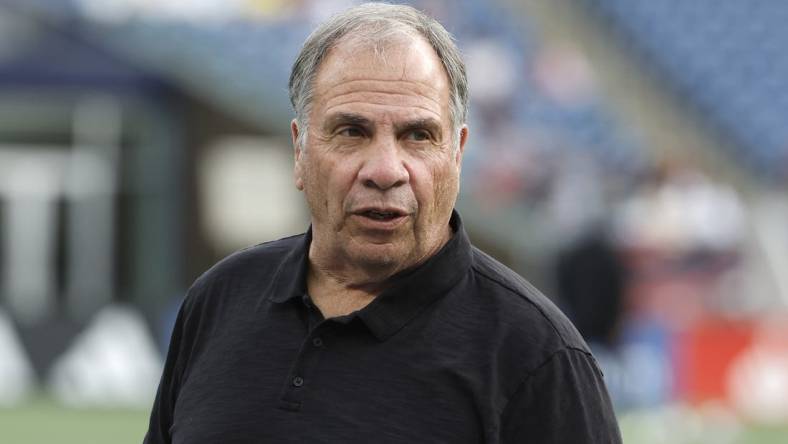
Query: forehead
[[404, 73]]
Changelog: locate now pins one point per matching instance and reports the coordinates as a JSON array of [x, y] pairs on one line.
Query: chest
[[280, 381]]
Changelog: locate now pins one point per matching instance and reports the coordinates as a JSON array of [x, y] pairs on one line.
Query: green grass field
[[41, 421], [683, 425]]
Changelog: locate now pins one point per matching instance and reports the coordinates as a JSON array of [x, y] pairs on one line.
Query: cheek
[[316, 183], [436, 187], [446, 190], [337, 178]]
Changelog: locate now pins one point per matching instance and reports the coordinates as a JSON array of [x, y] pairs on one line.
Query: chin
[[380, 256]]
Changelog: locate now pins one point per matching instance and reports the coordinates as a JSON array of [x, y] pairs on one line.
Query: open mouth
[[381, 215]]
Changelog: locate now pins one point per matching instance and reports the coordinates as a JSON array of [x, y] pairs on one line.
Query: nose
[[384, 167]]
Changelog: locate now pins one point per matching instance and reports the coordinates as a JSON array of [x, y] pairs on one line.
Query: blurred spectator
[[681, 211], [681, 234], [591, 283]]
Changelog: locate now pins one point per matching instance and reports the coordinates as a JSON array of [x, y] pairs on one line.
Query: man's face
[[379, 168]]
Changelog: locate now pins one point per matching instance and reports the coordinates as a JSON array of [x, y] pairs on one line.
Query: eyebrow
[[346, 119], [428, 123]]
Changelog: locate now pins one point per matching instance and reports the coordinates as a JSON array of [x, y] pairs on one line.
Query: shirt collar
[[290, 278], [410, 292]]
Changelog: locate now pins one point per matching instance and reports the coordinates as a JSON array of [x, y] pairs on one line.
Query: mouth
[[381, 216]]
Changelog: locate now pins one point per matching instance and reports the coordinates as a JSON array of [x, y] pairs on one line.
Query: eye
[[350, 131], [419, 135]]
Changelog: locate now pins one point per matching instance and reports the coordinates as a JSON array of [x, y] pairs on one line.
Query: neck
[[338, 288], [335, 296]]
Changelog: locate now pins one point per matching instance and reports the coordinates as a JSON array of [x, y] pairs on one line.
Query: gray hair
[[377, 23]]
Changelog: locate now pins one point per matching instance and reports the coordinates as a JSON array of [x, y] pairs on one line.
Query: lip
[[382, 225]]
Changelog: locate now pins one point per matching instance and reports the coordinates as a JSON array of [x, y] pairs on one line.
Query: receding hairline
[[358, 44], [383, 31], [377, 24]]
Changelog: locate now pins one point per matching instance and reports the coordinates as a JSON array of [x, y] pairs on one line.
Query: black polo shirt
[[459, 350]]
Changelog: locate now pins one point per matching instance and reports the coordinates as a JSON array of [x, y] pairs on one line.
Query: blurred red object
[[705, 354]]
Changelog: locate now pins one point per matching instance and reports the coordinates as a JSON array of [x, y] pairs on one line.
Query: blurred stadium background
[[629, 157]]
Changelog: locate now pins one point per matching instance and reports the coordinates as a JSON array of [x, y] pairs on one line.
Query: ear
[[461, 147], [298, 170]]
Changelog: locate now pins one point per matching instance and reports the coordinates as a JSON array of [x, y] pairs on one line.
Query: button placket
[[306, 361]]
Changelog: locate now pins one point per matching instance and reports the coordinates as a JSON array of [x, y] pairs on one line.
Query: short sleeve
[[161, 417], [564, 401]]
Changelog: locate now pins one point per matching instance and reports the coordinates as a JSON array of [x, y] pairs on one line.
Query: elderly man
[[381, 324]]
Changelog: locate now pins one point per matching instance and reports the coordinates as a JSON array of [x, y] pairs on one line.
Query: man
[[381, 324]]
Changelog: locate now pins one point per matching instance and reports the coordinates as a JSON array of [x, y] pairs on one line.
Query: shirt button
[[317, 342], [298, 381]]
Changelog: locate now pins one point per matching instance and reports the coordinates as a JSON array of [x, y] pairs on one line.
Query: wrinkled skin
[[379, 139]]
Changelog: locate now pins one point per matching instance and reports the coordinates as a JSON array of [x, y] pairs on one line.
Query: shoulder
[[540, 327], [244, 270], [258, 258]]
